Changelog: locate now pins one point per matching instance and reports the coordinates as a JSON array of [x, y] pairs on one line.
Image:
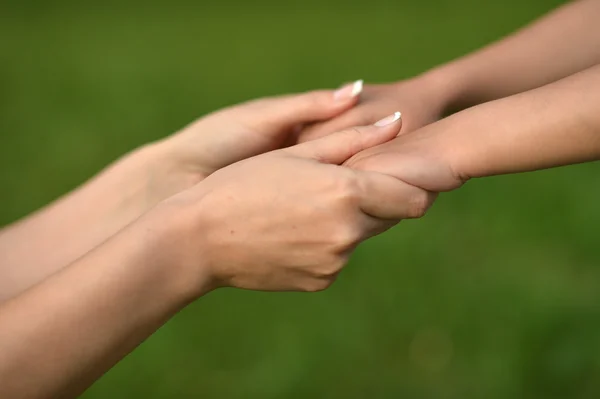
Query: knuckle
[[351, 138], [354, 135], [348, 187], [419, 204], [345, 238], [325, 274], [329, 270], [317, 285]]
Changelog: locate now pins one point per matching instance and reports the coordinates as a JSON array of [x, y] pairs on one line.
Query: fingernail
[[388, 120], [348, 91]]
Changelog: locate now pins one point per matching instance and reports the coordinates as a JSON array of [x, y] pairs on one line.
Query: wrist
[[457, 142], [447, 87], [433, 157], [164, 174], [174, 243]]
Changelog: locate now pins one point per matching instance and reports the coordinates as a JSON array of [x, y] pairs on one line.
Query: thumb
[[338, 147]]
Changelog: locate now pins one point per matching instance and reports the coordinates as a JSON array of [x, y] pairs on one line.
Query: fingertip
[[322, 105], [389, 126], [396, 117], [349, 92]]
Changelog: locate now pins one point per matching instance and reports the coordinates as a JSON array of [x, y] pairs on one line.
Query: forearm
[[564, 42], [56, 235], [61, 335], [558, 124]]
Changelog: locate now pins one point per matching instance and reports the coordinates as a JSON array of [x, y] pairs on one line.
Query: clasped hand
[[269, 218]]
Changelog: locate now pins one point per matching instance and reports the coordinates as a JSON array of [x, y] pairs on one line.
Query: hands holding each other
[[277, 218], [422, 99], [287, 219], [239, 132], [275, 194], [230, 201]]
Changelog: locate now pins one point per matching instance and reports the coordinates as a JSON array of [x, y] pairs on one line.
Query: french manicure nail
[[348, 91], [388, 120]]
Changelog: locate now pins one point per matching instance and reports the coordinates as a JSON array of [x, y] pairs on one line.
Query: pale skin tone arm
[[248, 226], [554, 125], [564, 42], [559, 44], [43, 243], [124, 290]]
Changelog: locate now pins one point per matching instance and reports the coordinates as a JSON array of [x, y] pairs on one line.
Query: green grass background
[[494, 294]]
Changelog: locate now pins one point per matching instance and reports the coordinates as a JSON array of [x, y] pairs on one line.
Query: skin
[[554, 125], [138, 258], [228, 231], [564, 42], [421, 99], [34, 248]]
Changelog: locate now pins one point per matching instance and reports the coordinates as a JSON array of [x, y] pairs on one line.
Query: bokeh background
[[494, 294]]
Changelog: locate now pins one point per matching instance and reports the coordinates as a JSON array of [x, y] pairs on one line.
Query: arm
[[557, 124], [564, 42], [559, 44], [53, 237], [58, 234], [248, 226], [58, 337]]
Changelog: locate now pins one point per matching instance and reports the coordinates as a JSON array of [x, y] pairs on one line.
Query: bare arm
[[55, 236], [58, 337], [557, 124], [559, 44], [61, 232], [247, 225]]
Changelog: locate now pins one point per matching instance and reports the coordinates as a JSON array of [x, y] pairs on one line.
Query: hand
[[232, 134], [289, 219], [424, 159], [252, 128], [226, 136], [422, 100], [139, 181]]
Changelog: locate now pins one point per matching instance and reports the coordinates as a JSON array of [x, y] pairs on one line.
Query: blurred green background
[[494, 294]]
